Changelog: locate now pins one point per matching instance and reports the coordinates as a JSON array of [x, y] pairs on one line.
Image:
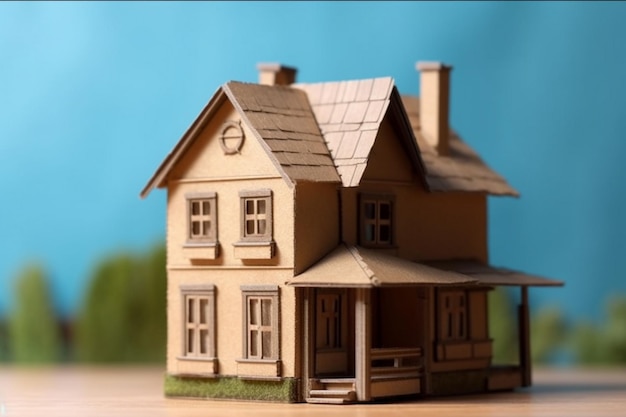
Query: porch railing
[[392, 363]]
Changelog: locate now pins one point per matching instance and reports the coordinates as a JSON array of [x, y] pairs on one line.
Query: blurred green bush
[[123, 316], [33, 328]]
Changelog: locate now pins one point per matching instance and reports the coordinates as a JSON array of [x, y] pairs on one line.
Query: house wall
[[206, 168], [428, 226], [316, 222]]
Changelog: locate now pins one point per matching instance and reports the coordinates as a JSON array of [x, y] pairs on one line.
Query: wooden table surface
[[137, 391]]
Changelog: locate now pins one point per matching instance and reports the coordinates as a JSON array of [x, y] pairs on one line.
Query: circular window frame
[[231, 124]]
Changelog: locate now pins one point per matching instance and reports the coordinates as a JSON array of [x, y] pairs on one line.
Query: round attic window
[[231, 138]]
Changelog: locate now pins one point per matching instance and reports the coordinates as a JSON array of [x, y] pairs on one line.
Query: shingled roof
[[349, 114], [283, 118], [461, 170], [324, 132]]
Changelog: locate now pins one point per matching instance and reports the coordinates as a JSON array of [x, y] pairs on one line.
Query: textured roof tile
[[365, 143], [364, 90], [339, 112], [349, 143], [356, 112], [283, 118], [349, 95], [375, 111]]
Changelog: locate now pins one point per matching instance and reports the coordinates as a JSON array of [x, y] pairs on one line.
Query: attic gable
[[280, 118]]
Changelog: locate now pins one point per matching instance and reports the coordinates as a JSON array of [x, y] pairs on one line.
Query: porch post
[[363, 343], [307, 343], [524, 338]]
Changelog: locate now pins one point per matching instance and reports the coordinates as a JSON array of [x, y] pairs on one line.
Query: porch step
[[332, 393], [319, 400]]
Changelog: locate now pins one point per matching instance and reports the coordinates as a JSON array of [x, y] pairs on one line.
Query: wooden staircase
[[331, 391]]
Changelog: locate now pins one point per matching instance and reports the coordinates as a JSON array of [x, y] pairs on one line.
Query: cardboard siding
[[316, 223], [229, 320], [205, 168], [428, 226]]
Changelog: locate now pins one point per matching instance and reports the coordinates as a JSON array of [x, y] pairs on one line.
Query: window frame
[[261, 293], [377, 199], [198, 293], [256, 195], [453, 312], [211, 237]]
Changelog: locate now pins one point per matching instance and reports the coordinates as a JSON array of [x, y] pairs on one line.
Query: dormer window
[[376, 220]]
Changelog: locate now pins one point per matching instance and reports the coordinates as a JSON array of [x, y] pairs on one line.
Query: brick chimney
[[276, 74], [435, 104]]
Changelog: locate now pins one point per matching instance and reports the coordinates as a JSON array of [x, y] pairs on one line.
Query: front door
[[331, 333]]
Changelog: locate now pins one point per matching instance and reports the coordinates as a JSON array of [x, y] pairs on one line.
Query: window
[[376, 220], [202, 218], [453, 315], [199, 317], [261, 334], [256, 215]]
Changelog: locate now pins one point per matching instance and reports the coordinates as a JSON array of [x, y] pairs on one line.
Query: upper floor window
[[256, 215], [202, 217], [376, 220]]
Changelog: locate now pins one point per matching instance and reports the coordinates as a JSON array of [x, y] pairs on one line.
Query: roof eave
[[159, 176]]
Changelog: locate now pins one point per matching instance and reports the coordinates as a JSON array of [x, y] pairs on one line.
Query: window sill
[[200, 250], [254, 250], [196, 365], [268, 369]]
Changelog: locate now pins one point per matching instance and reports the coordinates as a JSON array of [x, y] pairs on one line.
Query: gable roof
[[324, 132], [282, 120], [349, 114], [461, 170]]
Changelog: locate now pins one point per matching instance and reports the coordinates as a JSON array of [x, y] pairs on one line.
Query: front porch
[[377, 326], [393, 372]]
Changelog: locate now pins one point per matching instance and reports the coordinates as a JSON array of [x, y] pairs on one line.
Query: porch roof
[[351, 266], [358, 267], [490, 275]]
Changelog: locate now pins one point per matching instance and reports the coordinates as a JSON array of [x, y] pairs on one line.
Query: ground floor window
[[261, 322], [199, 321]]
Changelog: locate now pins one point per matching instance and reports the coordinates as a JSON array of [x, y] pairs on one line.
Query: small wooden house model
[[327, 242]]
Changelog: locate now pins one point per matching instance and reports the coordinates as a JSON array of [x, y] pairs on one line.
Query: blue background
[[94, 95]]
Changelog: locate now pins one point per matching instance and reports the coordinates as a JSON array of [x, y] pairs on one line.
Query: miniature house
[[327, 242]]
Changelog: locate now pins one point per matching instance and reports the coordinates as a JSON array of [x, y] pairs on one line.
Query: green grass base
[[232, 388]]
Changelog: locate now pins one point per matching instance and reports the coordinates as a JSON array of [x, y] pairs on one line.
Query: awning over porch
[[489, 275], [359, 267]]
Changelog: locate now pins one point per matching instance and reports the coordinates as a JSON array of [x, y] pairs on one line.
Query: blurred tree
[[548, 332], [503, 326], [33, 327], [604, 344], [123, 315], [615, 330]]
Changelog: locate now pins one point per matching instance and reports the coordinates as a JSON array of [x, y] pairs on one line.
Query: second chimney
[[435, 104], [276, 74]]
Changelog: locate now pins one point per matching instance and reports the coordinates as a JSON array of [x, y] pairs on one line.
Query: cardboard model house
[[327, 242]]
